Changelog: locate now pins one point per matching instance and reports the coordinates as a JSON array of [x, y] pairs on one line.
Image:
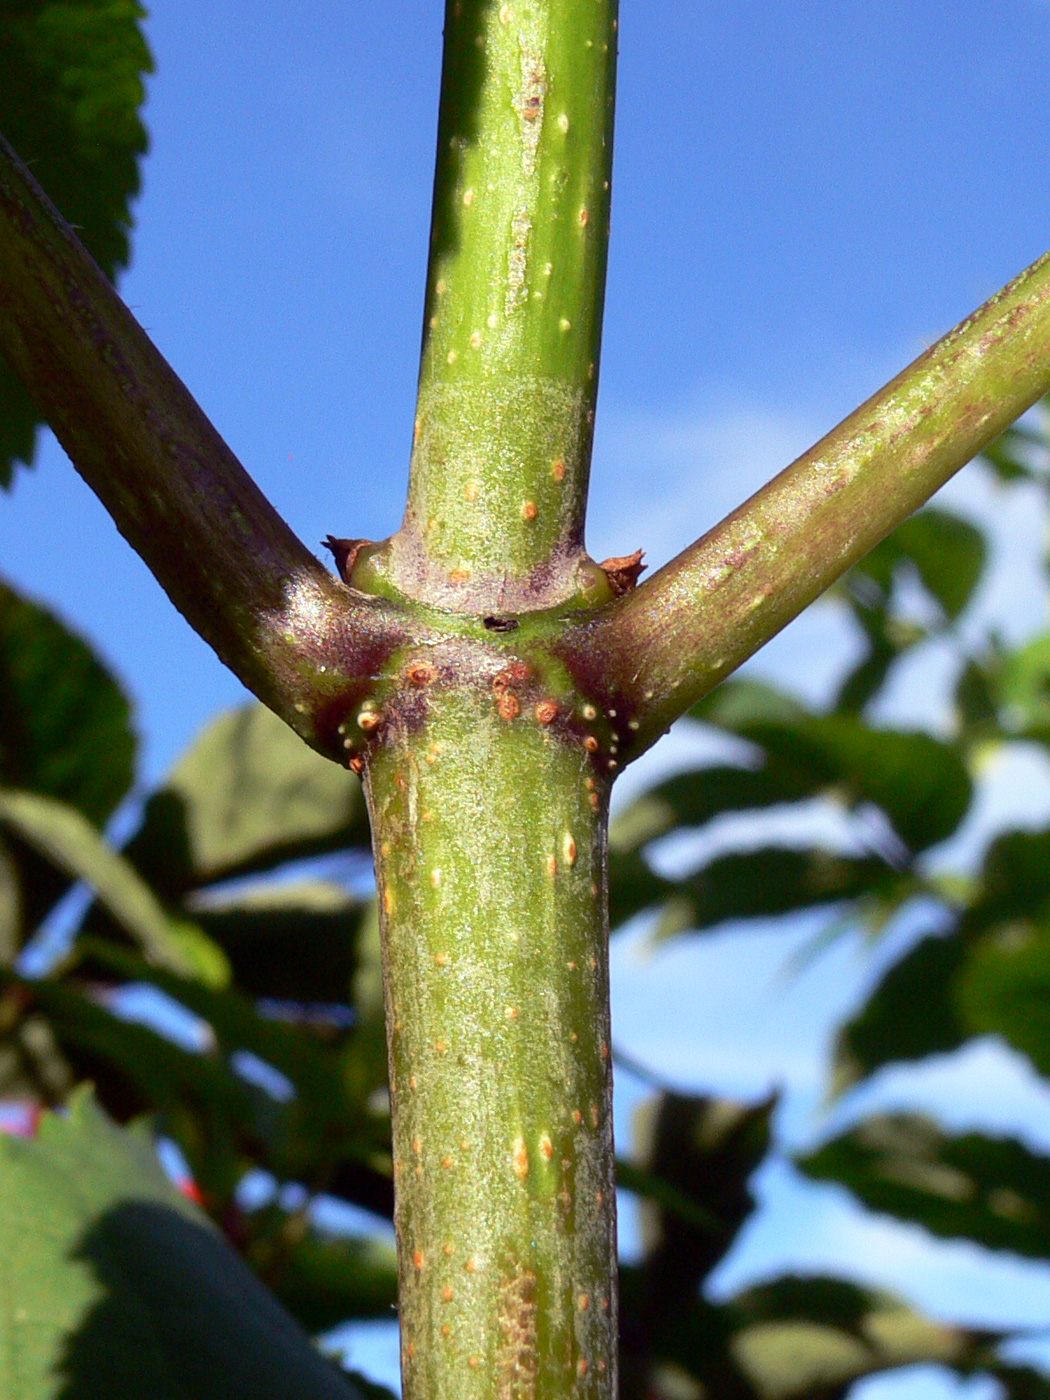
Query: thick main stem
[[489, 832], [509, 373]]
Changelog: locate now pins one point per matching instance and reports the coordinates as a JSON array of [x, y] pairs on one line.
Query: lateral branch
[[223, 554], [658, 649]]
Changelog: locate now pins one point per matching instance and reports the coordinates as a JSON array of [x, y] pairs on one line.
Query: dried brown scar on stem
[[623, 571], [517, 1357]]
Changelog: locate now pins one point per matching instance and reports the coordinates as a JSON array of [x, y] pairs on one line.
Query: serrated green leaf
[[910, 1014], [70, 89], [114, 1285], [247, 796], [994, 1191], [65, 726]]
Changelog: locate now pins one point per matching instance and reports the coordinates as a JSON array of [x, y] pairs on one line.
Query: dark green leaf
[[633, 887], [812, 1337], [1010, 455], [920, 783], [793, 1339], [311, 1067], [248, 795], [975, 701], [1021, 1382], [947, 552], [327, 1120], [703, 1150], [1022, 684], [123, 1289], [324, 1282], [65, 837], [694, 798], [994, 1191], [163, 1075], [294, 942], [770, 882], [1004, 988], [64, 721], [70, 89], [630, 1177], [737, 704], [867, 678], [1015, 879], [909, 1015]]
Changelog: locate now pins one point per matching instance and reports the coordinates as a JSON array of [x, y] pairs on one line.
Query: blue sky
[[806, 195]]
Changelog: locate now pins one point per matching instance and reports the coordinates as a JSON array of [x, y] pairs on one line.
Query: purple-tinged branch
[[225, 557], [656, 651]]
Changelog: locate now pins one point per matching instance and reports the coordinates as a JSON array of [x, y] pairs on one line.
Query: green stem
[[509, 371], [489, 832], [658, 650]]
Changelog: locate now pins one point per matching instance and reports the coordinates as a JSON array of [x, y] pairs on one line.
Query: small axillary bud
[[623, 571], [345, 553]]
